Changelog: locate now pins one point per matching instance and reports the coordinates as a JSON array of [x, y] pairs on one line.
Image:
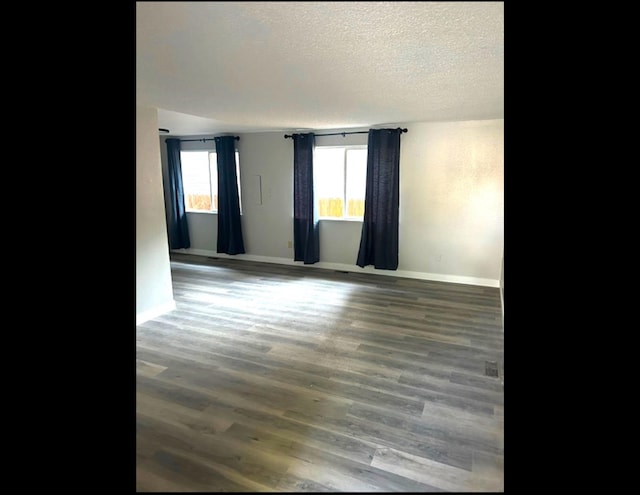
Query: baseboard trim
[[152, 313], [435, 277]]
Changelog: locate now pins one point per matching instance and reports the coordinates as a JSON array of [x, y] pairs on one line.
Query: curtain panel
[[379, 238], [230, 239], [177, 226], [306, 227]]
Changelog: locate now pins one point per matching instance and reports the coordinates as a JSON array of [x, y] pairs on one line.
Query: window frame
[[209, 153], [345, 207]]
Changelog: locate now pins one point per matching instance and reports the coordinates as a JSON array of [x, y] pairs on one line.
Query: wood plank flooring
[[274, 378]]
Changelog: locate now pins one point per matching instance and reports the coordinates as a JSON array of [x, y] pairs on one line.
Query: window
[[340, 177], [200, 180]]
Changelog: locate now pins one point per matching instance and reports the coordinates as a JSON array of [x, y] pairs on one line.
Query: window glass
[[340, 175], [200, 180]]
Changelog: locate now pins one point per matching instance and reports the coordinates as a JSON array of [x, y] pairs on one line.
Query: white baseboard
[[152, 313], [436, 277]]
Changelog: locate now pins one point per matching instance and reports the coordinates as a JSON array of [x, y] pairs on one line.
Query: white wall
[[452, 198], [451, 203], [154, 289]]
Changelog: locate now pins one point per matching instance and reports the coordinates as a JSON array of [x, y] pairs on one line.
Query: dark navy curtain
[[306, 228], [229, 228], [379, 239], [177, 227]]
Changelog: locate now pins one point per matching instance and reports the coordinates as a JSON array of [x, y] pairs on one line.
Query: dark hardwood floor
[[288, 378]]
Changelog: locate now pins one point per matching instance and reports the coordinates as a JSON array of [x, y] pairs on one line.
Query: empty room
[[319, 247]]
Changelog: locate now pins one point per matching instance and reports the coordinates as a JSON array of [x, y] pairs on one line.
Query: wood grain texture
[[284, 378]]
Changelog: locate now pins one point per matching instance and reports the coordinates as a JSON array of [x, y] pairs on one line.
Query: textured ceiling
[[212, 67]]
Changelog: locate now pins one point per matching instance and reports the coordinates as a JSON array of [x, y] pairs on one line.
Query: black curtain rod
[[343, 134], [207, 139]]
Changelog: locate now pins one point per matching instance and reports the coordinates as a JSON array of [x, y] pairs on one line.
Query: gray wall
[[451, 203], [154, 289]]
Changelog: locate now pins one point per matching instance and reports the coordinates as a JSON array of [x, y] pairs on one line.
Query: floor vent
[[491, 368]]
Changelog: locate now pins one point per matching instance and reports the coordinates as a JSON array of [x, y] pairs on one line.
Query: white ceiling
[[215, 67]]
